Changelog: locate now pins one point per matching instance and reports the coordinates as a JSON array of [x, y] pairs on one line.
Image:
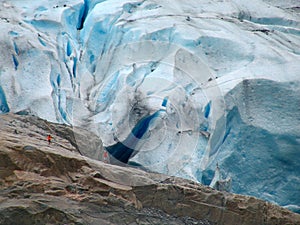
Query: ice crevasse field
[[175, 87]]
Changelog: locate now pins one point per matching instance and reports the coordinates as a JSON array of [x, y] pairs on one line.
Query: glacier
[[221, 78]]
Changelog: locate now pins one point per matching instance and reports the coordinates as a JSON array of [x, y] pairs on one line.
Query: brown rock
[[54, 184]]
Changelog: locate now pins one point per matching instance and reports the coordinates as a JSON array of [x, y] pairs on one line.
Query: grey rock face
[[54, 184]]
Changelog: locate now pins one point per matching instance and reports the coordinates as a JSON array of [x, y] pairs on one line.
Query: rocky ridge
[[57, 184]]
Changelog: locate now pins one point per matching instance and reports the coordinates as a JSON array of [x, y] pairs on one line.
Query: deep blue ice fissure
[[94, 51], [3, 103], [123, 151]]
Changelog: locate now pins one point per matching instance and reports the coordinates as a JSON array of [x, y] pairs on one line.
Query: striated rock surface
[[226, 73], [55, 184]]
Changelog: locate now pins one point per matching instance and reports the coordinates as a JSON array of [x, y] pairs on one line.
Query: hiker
[[49, 137], [105, 157]]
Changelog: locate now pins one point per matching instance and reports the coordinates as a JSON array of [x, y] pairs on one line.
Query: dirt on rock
[[59, 184]]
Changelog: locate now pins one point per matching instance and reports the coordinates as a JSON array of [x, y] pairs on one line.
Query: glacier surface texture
[[175, 87]]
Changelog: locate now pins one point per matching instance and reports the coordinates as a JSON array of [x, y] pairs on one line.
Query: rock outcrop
[[56, 184]]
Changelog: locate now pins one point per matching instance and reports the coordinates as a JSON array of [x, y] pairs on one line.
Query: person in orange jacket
[[49, 137], [105, 157]]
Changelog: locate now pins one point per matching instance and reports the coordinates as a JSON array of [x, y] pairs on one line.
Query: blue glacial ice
[[179, 87], [3, 103], [261, 147]]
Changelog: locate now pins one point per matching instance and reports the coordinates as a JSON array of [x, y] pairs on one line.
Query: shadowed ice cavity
[[123, 151], [3, 103]]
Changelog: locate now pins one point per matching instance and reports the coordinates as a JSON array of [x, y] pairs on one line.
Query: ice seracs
[[229, 69], [220, 183]]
